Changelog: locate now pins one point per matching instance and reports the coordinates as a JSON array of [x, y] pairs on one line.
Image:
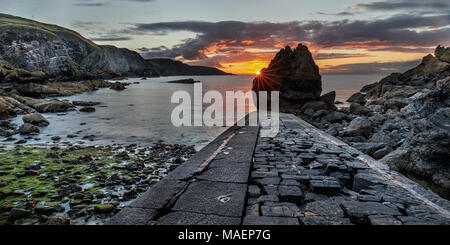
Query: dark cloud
[[90, 4], [343, 13], [84, 24], [404, 49], [110, 38], [143, 49], [370, 68], [216, 61], [327, 56], [157, 52], [404, 4], [396, 31]]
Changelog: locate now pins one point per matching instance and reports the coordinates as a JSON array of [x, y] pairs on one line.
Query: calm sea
[[141, 113]]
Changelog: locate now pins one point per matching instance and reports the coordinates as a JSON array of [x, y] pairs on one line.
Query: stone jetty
[[301, 176]]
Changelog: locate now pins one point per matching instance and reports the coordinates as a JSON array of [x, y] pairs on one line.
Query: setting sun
[[258, 72]]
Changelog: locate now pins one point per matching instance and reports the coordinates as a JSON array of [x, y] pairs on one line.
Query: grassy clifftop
[[10, 21]]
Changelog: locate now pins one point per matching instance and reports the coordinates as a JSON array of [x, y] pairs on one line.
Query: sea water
[[141, 113]]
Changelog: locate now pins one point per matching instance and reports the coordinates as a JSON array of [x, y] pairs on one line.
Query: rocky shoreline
[[69, 182], [402, 120], [79, 184]]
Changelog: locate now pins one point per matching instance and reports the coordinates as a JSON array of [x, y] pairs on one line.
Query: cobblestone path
[[306, 177], [302, 176]]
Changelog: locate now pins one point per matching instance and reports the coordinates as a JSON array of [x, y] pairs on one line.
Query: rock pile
[[404, 120]]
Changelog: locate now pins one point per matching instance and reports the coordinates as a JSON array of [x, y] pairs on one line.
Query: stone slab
[[208, 197], [233, 172], [159, 195]]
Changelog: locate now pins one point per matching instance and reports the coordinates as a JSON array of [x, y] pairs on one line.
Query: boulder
[[368, 87], [380, 153], [118, 86], [359, 109], [43, 209], [36, 119], [44, 106], [294, 73], [320, 113], [314, 105], [52, 106], [377, 118], [85, 103], [360, 126], [395, 103], [368, 147], [87, 109], [11, 107], [18, 213], [357, 98], [28, 128], [329, 99], [104, 208], [336, 116]]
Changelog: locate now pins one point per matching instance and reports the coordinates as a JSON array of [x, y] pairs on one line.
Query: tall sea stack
[[294, 73]]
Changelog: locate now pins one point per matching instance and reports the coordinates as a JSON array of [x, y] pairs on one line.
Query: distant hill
[[168, 67], [51, 51], [61, 52]]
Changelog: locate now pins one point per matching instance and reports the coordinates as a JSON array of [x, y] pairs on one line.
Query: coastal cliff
[[34, 51], [55, 51]]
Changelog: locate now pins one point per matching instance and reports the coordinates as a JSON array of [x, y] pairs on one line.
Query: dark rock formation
[[168, 67], [85, 103], [117, 86], [294, 74], [120, 61], [36, 119], [28, 128], [87, 109], [184, 81]]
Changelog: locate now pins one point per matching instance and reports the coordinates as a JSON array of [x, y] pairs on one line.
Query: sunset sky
[[241, 36]]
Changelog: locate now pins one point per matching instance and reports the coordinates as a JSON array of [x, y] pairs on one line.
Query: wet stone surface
[[298, 177]]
